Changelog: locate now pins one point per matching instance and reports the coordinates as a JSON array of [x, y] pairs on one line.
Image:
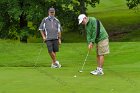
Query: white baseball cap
[[81, 17]]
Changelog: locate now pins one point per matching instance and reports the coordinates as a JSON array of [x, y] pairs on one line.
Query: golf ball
[[81, 71], [74, 76]]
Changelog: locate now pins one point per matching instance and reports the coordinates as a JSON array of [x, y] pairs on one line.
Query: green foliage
[[13, 33], [67, 12], [24, 32], [35, 10], [92, 2], [132, 3]]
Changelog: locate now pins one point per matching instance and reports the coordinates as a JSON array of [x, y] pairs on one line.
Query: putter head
[[80, 71]]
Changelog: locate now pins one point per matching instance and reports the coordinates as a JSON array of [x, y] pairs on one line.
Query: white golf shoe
[[56, 65], [98, 71], [53, 66]]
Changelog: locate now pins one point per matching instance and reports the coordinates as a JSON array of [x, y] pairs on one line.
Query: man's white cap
[[81, 17]]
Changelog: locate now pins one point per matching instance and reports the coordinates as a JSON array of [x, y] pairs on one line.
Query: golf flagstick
[[84, 61]]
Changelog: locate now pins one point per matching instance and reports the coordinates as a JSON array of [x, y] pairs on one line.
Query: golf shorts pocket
[[103, 47], [52, 45]]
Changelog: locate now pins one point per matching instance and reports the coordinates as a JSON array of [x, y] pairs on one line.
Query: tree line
[[20, 19]]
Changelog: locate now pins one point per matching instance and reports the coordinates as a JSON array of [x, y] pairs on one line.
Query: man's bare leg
[[53, 56], [100, 61]]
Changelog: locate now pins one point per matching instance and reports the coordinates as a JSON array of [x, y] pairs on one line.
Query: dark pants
[[52, 45]]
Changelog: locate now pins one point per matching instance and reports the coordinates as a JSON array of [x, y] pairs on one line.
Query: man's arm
[[59, 35], [43, 35], [59, 32], [90, 43], [91, 36], [42, 29]]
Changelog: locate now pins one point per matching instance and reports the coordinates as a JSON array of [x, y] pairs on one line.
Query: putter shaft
[[84, 61]]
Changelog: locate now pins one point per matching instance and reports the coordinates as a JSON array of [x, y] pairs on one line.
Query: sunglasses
[[51, 12]]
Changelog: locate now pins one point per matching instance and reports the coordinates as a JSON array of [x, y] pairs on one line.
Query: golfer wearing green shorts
[[96, 34], [50, 29]]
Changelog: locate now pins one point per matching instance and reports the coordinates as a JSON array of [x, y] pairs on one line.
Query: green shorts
[[103, 47]]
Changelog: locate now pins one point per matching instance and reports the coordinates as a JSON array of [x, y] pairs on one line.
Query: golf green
[[17, 74]]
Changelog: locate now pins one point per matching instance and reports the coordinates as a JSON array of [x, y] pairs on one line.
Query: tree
[[5, 20], [15, 17], [18, 13], [132, 3], [83, 8]]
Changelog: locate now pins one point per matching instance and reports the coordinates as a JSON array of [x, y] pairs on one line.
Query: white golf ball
[[74, 76]]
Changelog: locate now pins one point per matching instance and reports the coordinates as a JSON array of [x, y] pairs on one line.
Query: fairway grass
[[17, 74], [117, 17]]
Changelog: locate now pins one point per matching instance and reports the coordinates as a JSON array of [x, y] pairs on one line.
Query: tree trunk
[[83, 11], [23, 23], [82, 7]]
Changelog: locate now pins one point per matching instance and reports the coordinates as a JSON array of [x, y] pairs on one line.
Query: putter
[[84, 62], [38, 55]]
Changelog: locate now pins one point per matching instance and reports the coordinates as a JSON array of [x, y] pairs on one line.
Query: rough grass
[[108, 5], [117, 18]]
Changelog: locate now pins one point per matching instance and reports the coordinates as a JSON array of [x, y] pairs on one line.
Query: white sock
[[99, 68]]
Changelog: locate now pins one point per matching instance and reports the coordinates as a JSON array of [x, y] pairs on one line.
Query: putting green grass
[[17, 74]]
